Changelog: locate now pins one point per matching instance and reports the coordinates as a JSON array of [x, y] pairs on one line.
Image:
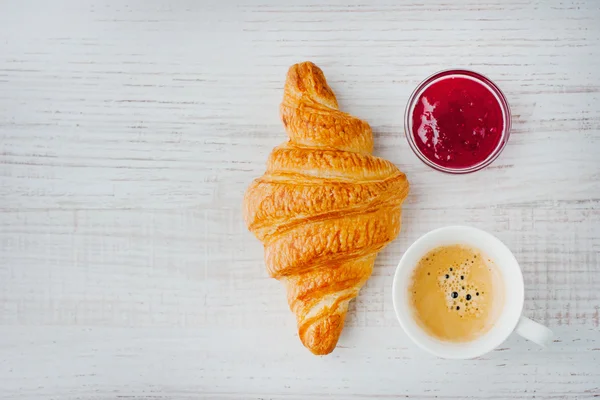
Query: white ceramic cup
[[509, 319]]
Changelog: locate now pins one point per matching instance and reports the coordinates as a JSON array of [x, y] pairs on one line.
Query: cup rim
[[463, 350], [506, 112]]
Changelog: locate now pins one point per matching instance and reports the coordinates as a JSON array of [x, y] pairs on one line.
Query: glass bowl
[[415, 96]]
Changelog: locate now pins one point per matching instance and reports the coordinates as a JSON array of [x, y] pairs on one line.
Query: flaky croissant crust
[[324, 208]]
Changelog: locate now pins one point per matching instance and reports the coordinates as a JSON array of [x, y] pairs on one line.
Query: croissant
[[324, 208]]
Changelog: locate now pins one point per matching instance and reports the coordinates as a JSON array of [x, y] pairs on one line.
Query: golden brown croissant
[[324, 207]]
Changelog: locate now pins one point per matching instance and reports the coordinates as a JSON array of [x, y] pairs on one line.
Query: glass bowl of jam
[[457, 121]]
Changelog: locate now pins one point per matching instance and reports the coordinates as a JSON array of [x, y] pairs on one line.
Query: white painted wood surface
[[130, 129]]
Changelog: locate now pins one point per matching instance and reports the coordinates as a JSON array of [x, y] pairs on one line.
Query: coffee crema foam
[[456, 293]]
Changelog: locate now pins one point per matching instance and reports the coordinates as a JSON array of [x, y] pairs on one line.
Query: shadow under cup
[[513, 296]]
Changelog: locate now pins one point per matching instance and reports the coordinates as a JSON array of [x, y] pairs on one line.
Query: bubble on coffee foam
[[461, 295]]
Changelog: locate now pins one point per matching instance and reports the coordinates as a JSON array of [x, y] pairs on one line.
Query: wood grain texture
[[130, 130]]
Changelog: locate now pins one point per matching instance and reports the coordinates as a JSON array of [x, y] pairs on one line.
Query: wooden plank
[[130, 130]]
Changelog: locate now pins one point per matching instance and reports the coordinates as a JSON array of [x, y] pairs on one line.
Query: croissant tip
[[306, 78], [322, 336]]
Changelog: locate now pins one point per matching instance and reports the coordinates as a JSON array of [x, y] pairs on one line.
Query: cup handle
[[534, 331]]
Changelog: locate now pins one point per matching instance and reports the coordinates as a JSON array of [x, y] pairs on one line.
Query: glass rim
[[488, 83]]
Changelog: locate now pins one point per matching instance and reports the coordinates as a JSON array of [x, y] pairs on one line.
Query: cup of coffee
[[458, 292]]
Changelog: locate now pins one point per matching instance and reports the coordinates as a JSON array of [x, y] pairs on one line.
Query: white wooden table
[[129, 132]]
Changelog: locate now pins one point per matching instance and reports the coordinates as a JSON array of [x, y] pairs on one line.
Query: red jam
[[457, 122]]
